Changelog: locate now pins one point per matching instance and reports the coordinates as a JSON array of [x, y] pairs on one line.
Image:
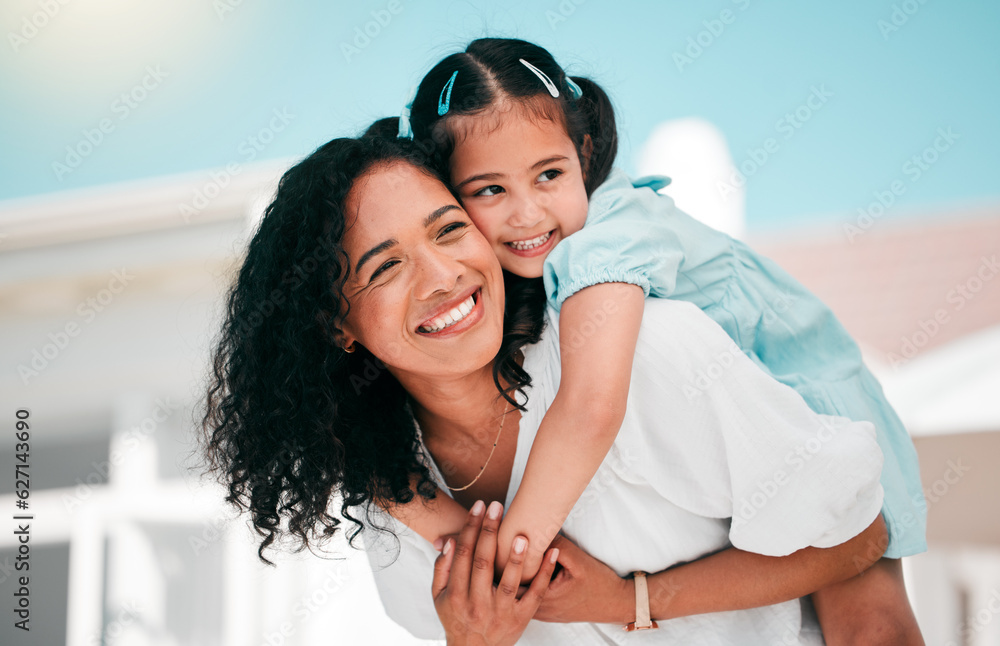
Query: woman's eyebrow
[[433, 217], [392, 242], [374, 251]]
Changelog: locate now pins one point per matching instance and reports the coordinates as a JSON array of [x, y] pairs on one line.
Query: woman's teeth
[[526, 245], [450, 318]]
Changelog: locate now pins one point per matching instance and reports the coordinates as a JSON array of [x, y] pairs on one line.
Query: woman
[[330, 352]]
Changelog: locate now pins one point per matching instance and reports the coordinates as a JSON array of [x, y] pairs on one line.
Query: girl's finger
[[540, 584], [442, 568], [511, 579]]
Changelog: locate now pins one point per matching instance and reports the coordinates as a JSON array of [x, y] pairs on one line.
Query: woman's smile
[[454, 319], [427, 290]]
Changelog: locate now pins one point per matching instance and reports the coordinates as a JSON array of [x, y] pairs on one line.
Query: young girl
[[530, 153]]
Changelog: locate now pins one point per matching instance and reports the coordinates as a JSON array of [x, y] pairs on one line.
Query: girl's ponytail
[[595, 106]]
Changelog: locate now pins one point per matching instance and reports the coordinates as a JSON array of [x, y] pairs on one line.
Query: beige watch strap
[[642, 619]]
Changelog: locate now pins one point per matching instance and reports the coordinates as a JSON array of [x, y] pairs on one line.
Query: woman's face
[[425, 290]]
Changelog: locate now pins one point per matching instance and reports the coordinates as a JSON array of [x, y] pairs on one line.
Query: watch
[[642, 620]]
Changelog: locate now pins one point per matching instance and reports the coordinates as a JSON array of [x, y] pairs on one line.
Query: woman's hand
[[586, 589], [472, 610]]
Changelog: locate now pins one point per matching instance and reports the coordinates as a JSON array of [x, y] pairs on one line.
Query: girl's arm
[[598, 328], [733, 579]]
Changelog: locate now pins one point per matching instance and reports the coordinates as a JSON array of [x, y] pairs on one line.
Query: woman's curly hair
[[291, 419]]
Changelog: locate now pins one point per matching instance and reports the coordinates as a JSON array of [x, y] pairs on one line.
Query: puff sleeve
[[626, 239]]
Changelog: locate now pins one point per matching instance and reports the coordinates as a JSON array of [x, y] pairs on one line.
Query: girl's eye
[[489, 191], [385, 266], [549, 175]]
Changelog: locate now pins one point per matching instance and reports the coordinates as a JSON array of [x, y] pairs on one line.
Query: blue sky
[[202, 78]]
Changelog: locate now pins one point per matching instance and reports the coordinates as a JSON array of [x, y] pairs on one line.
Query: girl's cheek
[[483, 224]]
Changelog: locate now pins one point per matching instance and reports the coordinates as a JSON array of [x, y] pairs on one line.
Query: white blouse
[[712, 453]]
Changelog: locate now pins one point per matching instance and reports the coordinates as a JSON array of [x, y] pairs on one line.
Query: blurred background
[[856, 143]]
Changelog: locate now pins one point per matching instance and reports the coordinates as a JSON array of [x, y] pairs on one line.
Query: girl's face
[[520, 181], [425, 291]]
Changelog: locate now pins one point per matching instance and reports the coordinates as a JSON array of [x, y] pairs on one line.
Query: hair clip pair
[[444, 98]]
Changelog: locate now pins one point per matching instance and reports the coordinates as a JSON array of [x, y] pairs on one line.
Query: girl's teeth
[[451, 317], [525, 245]]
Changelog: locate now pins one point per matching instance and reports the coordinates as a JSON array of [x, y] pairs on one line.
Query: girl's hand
[[472, 610], [586, 589]]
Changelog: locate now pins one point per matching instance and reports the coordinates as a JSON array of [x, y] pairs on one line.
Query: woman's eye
[[385, 266], [549, 175], [454, 226], [489, 191]]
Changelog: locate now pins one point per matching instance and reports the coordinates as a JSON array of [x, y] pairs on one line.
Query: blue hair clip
[[574, 90], [443, 105], [405, 130]]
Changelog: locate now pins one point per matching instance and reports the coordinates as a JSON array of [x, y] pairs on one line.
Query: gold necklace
[[504, 417]]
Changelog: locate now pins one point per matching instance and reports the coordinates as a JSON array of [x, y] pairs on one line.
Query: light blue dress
[[635, 235]]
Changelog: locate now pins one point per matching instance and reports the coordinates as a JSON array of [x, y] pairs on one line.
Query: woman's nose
[[437, 272]]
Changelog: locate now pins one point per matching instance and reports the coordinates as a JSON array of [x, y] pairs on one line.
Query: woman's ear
[[586, 150], [342, 338], [344, 341]]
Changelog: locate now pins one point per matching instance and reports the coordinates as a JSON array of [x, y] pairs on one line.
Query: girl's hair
[[490, 72], [290, 419]]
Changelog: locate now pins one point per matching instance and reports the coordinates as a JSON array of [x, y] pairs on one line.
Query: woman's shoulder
[[666, 323], [676, 340], [681, 326]]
